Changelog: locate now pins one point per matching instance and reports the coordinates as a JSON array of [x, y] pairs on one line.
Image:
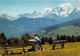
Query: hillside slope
[[75, 23], [65, 30]]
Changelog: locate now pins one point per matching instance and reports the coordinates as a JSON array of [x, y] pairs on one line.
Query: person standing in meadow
[[38, 40]]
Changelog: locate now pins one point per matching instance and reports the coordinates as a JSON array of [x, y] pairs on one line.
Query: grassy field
[[71, 49]]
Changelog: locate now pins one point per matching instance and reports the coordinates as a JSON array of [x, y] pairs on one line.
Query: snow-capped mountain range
[[63, 11]]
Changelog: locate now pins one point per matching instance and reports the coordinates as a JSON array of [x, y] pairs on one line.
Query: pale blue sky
[[15, 7]]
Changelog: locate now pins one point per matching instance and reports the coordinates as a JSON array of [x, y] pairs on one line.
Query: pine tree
[[73, 39], [58, 37], [3, 39], [46, 39], [43, 40], [50, 40]]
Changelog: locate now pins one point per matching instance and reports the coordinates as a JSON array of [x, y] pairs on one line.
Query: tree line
[[47, 39], [69, 38], [13, 40], [24, 39], [61, 37]]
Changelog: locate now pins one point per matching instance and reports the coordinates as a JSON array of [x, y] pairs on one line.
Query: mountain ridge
[[58, 13], [75, 22]]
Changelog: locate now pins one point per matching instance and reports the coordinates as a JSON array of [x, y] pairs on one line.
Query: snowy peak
[[36, 14], [66, 5], [75, 14], [76, 10], [63, 10], [31, 15], [10, 18]]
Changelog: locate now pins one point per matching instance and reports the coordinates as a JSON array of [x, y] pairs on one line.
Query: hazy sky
[[15, 7]]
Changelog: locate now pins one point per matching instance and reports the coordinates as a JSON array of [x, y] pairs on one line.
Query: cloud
[[2, 12]]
